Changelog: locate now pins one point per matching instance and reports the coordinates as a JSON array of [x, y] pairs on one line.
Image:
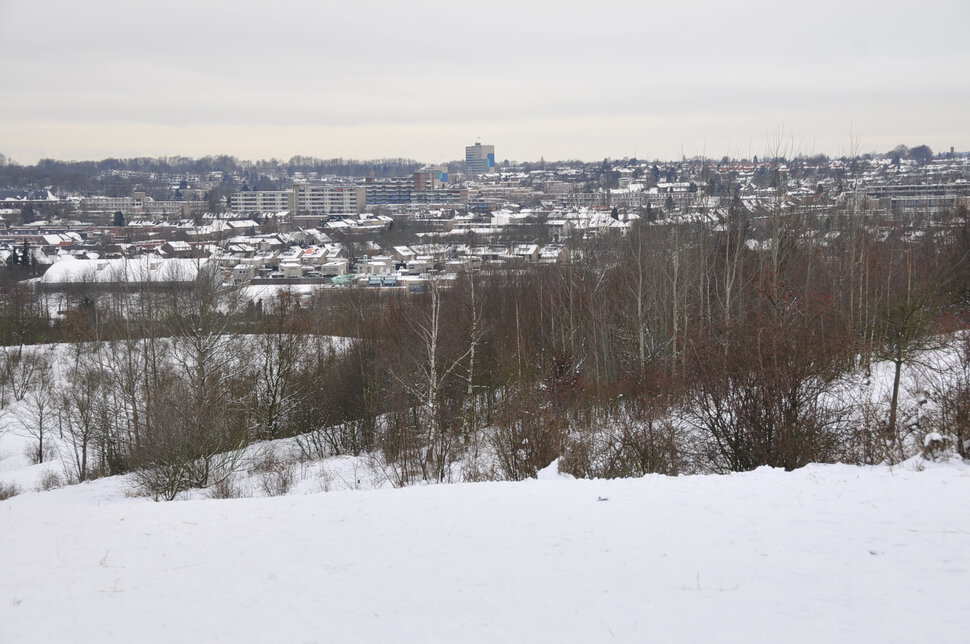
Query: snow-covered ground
[[823, 554], [827, 553]]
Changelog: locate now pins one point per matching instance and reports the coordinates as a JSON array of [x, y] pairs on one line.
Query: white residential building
[[260, 201], [313, 200]]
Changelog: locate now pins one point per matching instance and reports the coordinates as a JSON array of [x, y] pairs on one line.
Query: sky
[[553, 80]]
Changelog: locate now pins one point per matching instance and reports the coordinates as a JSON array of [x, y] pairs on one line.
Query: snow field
[[826, 553]]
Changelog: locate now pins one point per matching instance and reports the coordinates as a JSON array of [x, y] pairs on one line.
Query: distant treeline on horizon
[[68, 173]]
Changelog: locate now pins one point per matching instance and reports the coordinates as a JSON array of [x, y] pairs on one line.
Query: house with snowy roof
[[529, 252], [552, 253], [311, 236], [313, 256], [178, 249], [403, 253]]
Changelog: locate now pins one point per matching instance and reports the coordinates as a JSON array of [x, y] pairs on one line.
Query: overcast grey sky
[[586, 80]]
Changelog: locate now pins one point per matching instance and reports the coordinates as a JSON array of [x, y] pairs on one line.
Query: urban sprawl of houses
[[326, 231]]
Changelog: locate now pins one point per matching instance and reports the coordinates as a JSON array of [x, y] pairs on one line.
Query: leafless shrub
[[937, 447], [632, 442], [954, 418], [182, 450], [8, 490], [348, 437], [49, 481], [276, 476], [478, 463], [865, 439], [163, 481], [870, 440], [524, 444], [269, 458], [325, 479], [265, 460], [278, 481], [172, 473], [365, 473], [950, 391], [35, 454], [533, 426], [225, 488], [314, 444]]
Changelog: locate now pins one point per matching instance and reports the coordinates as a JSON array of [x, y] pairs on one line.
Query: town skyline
[[788, 151]]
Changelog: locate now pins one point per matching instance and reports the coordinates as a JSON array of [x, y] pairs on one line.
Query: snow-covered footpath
[[823, 554]]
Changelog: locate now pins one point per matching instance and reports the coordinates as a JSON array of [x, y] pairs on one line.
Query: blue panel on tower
[[491, 160], [443, 177]]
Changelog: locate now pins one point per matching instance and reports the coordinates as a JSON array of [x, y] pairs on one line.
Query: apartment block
[[480, 159], [311, 200], [260, 201]]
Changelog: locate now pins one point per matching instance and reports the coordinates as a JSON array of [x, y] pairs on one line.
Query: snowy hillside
[[334, 553], [823, 554]]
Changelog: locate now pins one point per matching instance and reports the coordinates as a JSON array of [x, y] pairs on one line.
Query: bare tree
[[278, 351], [37, 413], [21, 370], [77, 418], [427, 432]]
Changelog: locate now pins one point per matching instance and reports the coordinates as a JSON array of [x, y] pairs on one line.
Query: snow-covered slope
[[823, 554]]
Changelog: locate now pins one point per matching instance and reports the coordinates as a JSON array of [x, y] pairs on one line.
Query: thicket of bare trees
[[687, 346], [679, 347]]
